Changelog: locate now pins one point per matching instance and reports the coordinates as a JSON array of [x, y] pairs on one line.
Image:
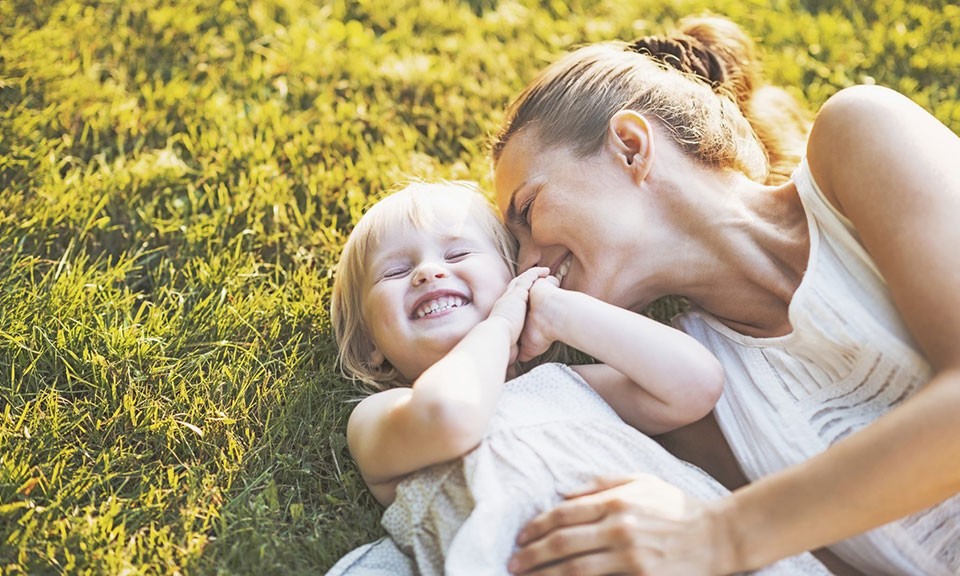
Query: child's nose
[[428, 271]]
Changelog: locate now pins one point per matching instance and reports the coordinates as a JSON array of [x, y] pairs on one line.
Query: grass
[[175, 182]]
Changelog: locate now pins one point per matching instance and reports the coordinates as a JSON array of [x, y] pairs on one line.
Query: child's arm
[[445, 413], [656, 377]]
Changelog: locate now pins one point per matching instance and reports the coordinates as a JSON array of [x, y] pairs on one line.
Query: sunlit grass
[[175, 183]]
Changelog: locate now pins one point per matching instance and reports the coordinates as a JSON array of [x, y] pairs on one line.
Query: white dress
[[848, 360], [551, 434]]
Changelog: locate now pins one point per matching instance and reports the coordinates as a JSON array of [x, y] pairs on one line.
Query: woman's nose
[[528, 257], [427, 272]]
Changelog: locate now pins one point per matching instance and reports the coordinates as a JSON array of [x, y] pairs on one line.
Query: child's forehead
[[434, 213], [433, 225]]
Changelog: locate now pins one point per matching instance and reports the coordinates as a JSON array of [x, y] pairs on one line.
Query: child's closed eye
[[391, 273], [457, 255]]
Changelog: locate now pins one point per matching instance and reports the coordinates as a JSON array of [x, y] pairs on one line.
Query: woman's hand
[[635, 525]]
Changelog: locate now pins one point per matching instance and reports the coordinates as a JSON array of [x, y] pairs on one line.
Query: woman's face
[[583, 218]]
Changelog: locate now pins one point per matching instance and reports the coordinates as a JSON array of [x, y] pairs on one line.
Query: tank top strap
[[825, 217]]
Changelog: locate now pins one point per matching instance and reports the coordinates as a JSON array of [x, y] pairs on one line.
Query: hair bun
[[685, 53]]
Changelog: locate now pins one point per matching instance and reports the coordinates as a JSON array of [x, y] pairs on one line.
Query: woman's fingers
[[572, 534], [569, 513], [617, 525], [572, 542], [599, 498]]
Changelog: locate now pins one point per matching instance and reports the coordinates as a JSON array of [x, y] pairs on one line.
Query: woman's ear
[[630, 138]]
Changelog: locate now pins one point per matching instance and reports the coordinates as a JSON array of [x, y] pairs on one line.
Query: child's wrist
[[557, 316], [512, 332]]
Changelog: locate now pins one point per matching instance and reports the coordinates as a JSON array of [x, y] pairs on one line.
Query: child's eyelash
[[394, 272]]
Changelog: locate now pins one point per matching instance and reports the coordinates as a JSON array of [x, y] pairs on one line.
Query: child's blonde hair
[[411, 207]]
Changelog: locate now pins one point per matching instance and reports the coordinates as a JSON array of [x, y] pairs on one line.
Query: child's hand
[[538, 333], [512, 306]]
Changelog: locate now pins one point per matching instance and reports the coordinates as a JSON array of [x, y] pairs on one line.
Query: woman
[[830, 298]]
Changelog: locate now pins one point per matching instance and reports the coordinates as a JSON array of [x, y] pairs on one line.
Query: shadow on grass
[[299, 502]]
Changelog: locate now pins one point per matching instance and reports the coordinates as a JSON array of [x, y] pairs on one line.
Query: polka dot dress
[[551, 434]]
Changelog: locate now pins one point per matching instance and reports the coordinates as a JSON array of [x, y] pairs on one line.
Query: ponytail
[[718, 52]]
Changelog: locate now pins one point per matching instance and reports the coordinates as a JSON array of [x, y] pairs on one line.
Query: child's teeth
[[442, 303]]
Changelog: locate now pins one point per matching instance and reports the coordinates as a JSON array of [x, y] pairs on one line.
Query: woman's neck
[[755, 251]]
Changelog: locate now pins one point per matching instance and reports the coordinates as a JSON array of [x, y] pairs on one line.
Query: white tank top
[[848, 360]]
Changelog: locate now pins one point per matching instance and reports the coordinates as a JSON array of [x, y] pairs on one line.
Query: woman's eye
[[525, 210]]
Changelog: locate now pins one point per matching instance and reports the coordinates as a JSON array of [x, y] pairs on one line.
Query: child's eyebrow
[[383, 257]]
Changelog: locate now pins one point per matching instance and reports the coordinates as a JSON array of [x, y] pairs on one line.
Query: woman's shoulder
[[856, 130], [850, 106], [850, 119]]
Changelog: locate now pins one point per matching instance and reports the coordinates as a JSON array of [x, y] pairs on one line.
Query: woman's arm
[[893, 170], [656, 377], [445, 413]]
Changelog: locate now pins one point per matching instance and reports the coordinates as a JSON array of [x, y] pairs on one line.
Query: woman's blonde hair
[[703, 84], [411, 207]]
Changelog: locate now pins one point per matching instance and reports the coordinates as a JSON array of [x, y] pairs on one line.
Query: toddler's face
[[426, 288]]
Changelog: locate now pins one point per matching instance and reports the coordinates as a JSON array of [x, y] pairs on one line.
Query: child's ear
[[376, 357]]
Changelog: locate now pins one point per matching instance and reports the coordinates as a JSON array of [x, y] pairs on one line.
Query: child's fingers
[[512, 304], [532, 274], [526, 278]]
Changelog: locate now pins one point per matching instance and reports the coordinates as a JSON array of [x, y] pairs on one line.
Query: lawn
[[175, 182]]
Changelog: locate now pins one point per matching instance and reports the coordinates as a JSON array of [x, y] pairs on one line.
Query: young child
[[427, 312]]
